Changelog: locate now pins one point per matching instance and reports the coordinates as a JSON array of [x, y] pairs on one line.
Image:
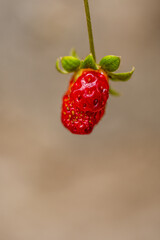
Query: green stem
[[89, 25]]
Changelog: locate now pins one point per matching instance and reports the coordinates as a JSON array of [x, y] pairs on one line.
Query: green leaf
[[113, 92], [121, 76], [70, 64], [89, 62], [73, 53], [58, 66], [110, 63]]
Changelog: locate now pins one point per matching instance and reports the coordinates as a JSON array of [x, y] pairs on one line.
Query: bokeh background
[[55, 185]]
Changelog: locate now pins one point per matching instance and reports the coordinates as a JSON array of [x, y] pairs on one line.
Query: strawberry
[[90, 91], [85, 100], [77, 121]]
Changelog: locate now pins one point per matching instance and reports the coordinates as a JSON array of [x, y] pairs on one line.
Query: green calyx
[[121, 76], [89, 62], [108, 64], [114, 92], [69, 64], [73, 63]]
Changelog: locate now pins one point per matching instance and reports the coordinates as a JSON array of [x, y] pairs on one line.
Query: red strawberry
[[91, 90], [78, 122]]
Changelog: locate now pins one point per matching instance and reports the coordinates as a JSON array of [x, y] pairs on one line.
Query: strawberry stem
[[89, 25]]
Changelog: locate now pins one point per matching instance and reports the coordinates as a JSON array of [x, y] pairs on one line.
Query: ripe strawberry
[[78, 122], [90, 91], [85, 100]]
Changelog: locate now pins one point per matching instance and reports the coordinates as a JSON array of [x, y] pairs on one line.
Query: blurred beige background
[[59, 186]]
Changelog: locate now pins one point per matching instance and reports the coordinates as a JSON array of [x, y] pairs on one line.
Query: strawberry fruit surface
[[90, 91], [77, 121]]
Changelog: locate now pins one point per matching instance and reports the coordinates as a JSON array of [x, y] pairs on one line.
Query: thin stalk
[[89, 25]]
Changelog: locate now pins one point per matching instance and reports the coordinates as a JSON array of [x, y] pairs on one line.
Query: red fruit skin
[[76, 121], [90, 90], [99, 115]]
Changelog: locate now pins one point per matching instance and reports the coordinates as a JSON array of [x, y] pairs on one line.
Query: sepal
[[121, 76], [58, 67], [110, 63], [70, 63], [73, 53], [114, 92], [89, 62]]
